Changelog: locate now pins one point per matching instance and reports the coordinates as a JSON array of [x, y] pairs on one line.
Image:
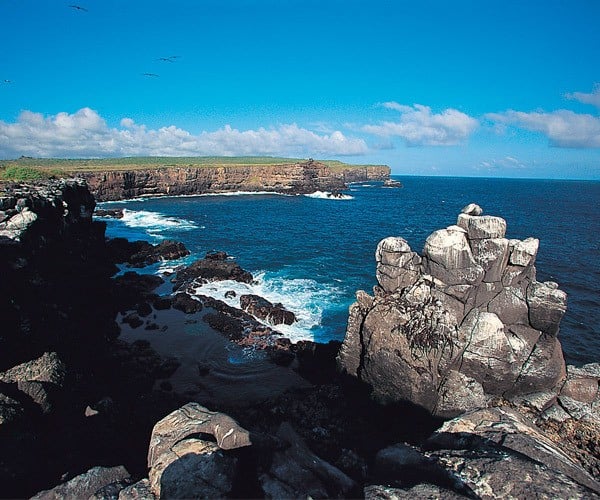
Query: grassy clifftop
[[26, 168]]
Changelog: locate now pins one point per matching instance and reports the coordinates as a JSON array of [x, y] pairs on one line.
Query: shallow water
[[313, 252]]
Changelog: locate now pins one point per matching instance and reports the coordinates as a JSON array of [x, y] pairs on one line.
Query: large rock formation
[[459, 325], [300, 177]]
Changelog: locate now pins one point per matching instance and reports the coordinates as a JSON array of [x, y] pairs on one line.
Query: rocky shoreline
[[297, 178], [463, 332]]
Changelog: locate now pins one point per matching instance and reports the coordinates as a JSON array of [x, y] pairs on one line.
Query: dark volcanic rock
[[275, 314], [142, 253], [214, 267], [297, 473], [186, 303], [113, 213], [85, 485]]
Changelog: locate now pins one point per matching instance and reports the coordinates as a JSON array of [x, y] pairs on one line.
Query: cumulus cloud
[[86, 134], [563, 128], [592, 98], [418, 126]]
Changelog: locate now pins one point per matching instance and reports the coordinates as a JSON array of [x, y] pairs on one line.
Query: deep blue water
[[312, 253]]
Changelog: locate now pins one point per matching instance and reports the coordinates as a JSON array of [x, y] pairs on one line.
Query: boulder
[[85, 485], [186, 303], [260, 307], [183, 466], [489, 448], [483, 226], [397, 264], [447, 256], [214, 267], [523, 253], [472, 209], [46, 368], [10, 409], [298, 473], [547, 305]]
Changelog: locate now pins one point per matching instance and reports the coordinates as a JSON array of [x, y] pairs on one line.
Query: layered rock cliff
[[301, 177]]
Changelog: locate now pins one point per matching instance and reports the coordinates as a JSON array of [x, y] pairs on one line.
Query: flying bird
[[168, 59], [79, 8], [150, 74]]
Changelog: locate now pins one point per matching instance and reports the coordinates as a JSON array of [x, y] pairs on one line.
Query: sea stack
[[460, 325]]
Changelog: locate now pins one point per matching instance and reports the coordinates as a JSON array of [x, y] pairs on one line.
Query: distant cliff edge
[[293, 178]]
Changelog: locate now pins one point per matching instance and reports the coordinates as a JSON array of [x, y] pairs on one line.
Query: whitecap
[[326, 195], [306, 298], [155, 223], [244, 193]]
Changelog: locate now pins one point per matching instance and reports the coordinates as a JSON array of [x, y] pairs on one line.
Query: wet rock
[[392, 183], [142, 253], [162, 303], [112, 213], [214, 267], [133, 320], [230, 294], [260, 307], [85, 485], [186, 303]]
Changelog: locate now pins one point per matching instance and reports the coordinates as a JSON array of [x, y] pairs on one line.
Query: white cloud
[[563, 128], [592, 98], [86, 134], [418, 126]]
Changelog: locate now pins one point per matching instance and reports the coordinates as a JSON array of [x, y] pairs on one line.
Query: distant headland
[[123, 178]]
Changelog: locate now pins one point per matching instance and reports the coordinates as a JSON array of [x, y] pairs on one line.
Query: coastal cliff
[[292, 178], [74, 396]]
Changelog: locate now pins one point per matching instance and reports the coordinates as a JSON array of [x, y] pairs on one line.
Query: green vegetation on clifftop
[[32, 168]]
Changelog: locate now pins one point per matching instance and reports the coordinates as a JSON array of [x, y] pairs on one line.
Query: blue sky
[[484, 88]]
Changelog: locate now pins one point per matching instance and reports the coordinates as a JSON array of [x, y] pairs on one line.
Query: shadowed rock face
[[462, 323]]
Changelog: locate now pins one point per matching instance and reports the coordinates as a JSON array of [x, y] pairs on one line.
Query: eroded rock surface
[[459, 325]]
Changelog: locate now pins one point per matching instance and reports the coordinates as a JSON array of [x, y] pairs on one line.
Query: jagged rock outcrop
[[459, 325], [260, 307], [498, 453], [183, 466], [293, 178], [89, 485]]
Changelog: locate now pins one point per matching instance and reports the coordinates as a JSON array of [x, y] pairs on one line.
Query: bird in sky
[[79, 8], [168, 59], [150, 74]]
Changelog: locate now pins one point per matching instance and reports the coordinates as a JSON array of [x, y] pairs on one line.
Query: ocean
[[313, 252]]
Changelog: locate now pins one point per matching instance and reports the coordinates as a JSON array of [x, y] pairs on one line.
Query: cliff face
[[294, 178]]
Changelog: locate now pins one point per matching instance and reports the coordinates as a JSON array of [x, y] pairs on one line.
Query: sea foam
[[306, 298], [325, 195], [155, 223]]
